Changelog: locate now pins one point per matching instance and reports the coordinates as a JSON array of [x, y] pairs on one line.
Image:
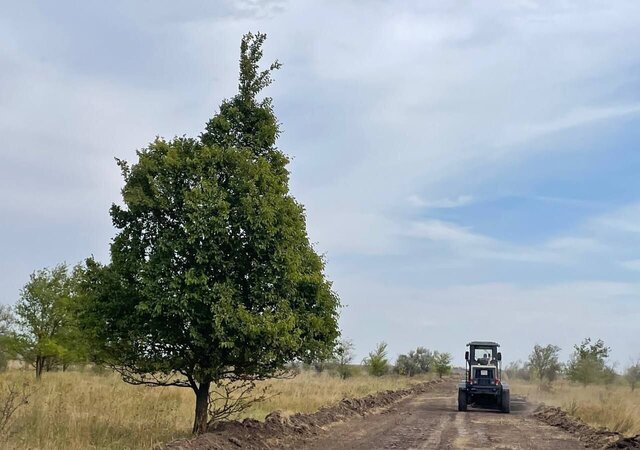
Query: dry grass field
[[84, 410], [613, 407]]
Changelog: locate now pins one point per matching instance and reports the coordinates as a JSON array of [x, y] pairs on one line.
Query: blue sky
[[469, 169]]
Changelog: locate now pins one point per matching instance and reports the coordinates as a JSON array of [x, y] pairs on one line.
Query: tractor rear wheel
[[462, 400], [506, 402]]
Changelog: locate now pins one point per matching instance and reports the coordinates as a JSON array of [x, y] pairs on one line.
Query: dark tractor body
[[483, 386]]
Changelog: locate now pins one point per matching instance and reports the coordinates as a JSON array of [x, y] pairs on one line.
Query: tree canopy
[[544, 362], [632, 375], [212, 275], [47, 331], [442, 363], [377, 363], [415, 362], [588, 363]]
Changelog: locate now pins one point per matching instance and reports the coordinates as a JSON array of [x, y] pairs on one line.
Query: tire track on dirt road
[[431, 421]]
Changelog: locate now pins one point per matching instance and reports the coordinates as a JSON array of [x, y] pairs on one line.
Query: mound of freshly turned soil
[[255, 435], [629, 442], [593, 437]]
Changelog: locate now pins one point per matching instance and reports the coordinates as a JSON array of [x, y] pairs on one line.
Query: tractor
[[483, 386]]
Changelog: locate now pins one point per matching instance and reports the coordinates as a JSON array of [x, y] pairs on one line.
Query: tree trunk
[[39, 366], [202, 408]]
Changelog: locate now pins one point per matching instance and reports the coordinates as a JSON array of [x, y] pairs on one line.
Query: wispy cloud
[[567, 201], [633, 264], [626, 220], [443, 203], [440, 231], [572, 119], [472, 245], [405, 109]]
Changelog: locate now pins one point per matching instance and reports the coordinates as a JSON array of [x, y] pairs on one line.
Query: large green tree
[[212, 276]]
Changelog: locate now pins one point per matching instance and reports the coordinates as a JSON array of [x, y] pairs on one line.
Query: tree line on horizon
[[588, 365], [377, 362]]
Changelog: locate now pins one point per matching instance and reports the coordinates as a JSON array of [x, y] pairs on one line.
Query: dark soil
[[422, 416], [276, 429], [593, 437]]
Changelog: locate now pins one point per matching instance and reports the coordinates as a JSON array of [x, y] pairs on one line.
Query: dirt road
[[431, 421]]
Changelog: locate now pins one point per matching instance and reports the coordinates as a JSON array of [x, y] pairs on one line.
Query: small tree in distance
[[442, 363], [588, 363], [544, 363], [415, 362], [44, 318], [632, 375], [377, 363], [518, 369], [343, 356], [319, 365], [609, 375], [7, 335]]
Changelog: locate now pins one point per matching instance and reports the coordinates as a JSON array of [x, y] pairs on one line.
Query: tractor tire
[[506, 402], [462, 400]]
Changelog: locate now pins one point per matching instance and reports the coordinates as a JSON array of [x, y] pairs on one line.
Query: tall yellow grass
[[613, 407], [83, 410]]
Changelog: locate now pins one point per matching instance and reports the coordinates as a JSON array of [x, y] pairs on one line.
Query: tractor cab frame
[[483, 385]]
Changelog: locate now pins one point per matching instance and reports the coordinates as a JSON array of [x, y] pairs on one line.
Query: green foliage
[[518, 369], [212, 276], [377, 363], [47, 333], [415, 362], [7, 335], [343, 356], [632, 375], [588, 363], [244, 121], [442, 363], [609, 375], [544, 363]]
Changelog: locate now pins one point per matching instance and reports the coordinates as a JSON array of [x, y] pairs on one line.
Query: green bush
[[442, 363], [377, 363], [415, 362]]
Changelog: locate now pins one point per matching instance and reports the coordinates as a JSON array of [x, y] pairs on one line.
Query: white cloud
[[575, 244], [443, 203], [440, 231], [435, 92], [625, 220], [396, 99], [355, 232], [633, 264], [576, 118], [471, 245]]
